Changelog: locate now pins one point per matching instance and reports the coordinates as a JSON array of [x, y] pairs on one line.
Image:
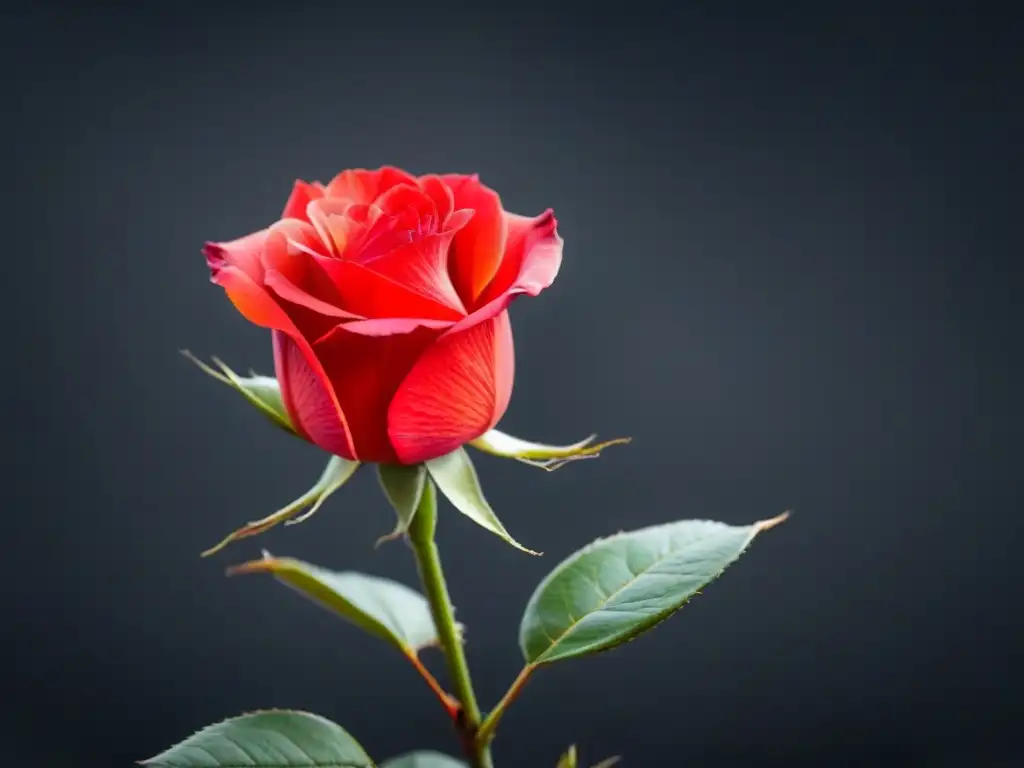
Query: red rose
[[387, 296]]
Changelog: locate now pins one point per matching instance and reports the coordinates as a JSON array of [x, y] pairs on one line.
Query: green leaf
[[456, 478], [335, 474], [385, 608], [262, 391], [549, 457], [423, 760], [269, 739], [608, 762], [616, 588], [403, 485]]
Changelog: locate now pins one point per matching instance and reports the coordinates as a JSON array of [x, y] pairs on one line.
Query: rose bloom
[[387, 298]]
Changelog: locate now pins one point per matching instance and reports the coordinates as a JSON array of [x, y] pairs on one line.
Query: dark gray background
[[792, 270]]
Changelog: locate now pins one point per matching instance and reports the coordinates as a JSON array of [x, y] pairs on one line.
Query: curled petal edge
[[335, 474], [546, 457]]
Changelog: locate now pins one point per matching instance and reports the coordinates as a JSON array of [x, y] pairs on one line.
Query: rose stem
[[428, 560]]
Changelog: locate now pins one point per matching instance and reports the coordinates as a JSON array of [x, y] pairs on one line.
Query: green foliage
[[456, 478], [264, 392], [403, 485], [335, 474], [611, 591], [549, 457], [423, 760], [269, 739], [384, 608]]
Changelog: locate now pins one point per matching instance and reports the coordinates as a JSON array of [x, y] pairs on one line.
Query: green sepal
[[456, 478], [611, 591], [264, 392], [423, 759], [549, 457], [569, 759], [384, 608], [403, 485], [335, 474], [266, 739]]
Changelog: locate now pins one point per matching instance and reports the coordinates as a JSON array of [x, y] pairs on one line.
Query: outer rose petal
[[306, 399], [531, 264], [478, 247], [533, 255], [365, 371], [259, 308], [245, 253], [293, 272], [458, 390], [302, 195]]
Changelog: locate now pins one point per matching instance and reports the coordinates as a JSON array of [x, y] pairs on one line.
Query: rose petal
[[478, 247], [366, 370], [364, 186], [292, 248], [403, 197], [335, 223], [533, 255], [290, 292], [244, 253], [307, 398], [531, 264], [259, 308], [302, 195], [402, 214], [458, 390], [293, 272], [422, 267], [388, 326], [440, 193], [373, 295]]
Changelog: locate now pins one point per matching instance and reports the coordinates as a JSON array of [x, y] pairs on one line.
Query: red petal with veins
[[478, 247], [531, 263], [259, 308], [373, 295], [422, 266], [365, 371], [458, 390]]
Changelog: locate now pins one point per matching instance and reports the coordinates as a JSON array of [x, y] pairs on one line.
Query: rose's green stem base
[[421, 536]]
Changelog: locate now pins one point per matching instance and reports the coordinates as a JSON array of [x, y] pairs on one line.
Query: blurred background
[[792, 271]]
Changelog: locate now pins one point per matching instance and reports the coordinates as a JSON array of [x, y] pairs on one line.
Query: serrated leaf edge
[[252, 713], [649, 622]]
